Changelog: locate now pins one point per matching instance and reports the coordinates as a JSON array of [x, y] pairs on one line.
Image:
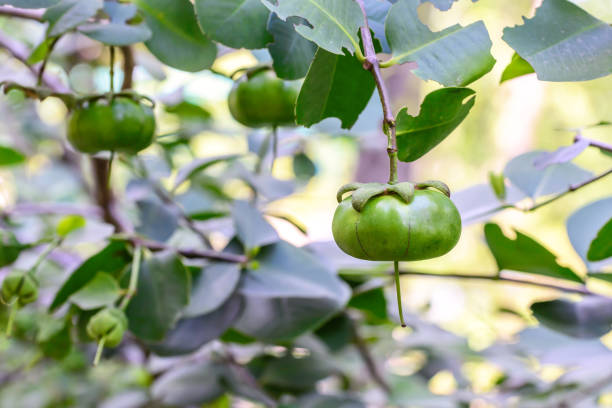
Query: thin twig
[[367, 358], [43, 66], [189, 253], [594, 143], [21, 13], [128, 67], [570, 189], [105, 198]]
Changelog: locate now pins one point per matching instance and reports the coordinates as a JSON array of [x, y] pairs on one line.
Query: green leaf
[[601, 246], [157, 220], [163, 291], [177, 40], [330, 90], [334, 24], [40, 52], [295, 374], [68, 14], [214, 285], [288, 294], [373, 302], [53, 338], [188, 171], [30, 4], [252, 228], [112, 259], [563, 43], [291, 53], [102, 290], [524, 254], [303, 167], [517, 67], [497, 181], [590, 317], [583, 227], [10, 156], [535, 182], [122, 29], [235, 23], [189, 334], [455, 56], [441, 112], [188, 385], [68, 224]]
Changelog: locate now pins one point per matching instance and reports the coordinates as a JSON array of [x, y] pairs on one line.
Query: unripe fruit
[[109, 324], [21, 286]]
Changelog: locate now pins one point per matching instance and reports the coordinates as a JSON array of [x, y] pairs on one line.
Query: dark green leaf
[[336, 333], [212, 288], [583, 227], [333, 24], [122, 29], [235, 23], [177, 40], [40, 52], [10, 156], [441, 112], [327, 401], [188, 385], [68, 14], [455, 56], [523, 173], [330, 90], [163, 291], [198, 165], [555, 42], [251, 227], [601, 246], [517, 67], [590, 317], [524, 254], [498, 184], [112, 259], [291, 53], [157, 221], [288, 294], [102, 290], [53, 338], [303, 168], [190, 334], [373, 302], [295, 374], [30, 4]]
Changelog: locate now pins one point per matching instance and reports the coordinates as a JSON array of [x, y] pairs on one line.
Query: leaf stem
[[54, 244], [133, 285], [398, 292], [11, 318], [372, 64], [112, 69], [274, 147], [43, 66], [99, 350]]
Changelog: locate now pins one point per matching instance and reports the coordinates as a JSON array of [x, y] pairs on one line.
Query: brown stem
[[372, 64], [104, 196], [128, 67], [366, 357], [21, 13], [189, 253]]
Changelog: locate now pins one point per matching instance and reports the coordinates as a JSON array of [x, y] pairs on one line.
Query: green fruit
[[390, 229], [108, 324], [263, 100], [20, 285], [120, 125], [9, 248]]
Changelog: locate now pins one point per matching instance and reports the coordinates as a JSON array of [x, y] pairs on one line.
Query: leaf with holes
[[68, 14], [291, 53], [124, 27]]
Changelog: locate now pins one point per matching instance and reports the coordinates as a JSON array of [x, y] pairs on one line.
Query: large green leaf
[[212, 287], [517, 67], [288, 294], [601, 246], [10, 156], [252, 229], [30, 4], [102, 290], [535, 182], [454, 56], [291, 53], [583, 227], [524, 254], [122, 29], [156, 219], [294, 374], [112, 259], [441, 112], [590, 317], [235, 23], [163, 291], [334, 24], [177, 40], [330, 90], [68, 14], [563, 43], [188, 385]]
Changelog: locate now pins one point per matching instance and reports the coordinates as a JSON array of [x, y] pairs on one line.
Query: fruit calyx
[[363, 192]]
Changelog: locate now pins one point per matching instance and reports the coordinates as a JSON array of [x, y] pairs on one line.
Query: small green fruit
[[21, 286], [109, 324]]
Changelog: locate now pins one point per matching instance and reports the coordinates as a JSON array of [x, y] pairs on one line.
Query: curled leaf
[[347, 188], [438, 185]]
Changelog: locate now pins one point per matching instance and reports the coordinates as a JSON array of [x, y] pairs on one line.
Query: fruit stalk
[[372, 64], [398, 291]]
